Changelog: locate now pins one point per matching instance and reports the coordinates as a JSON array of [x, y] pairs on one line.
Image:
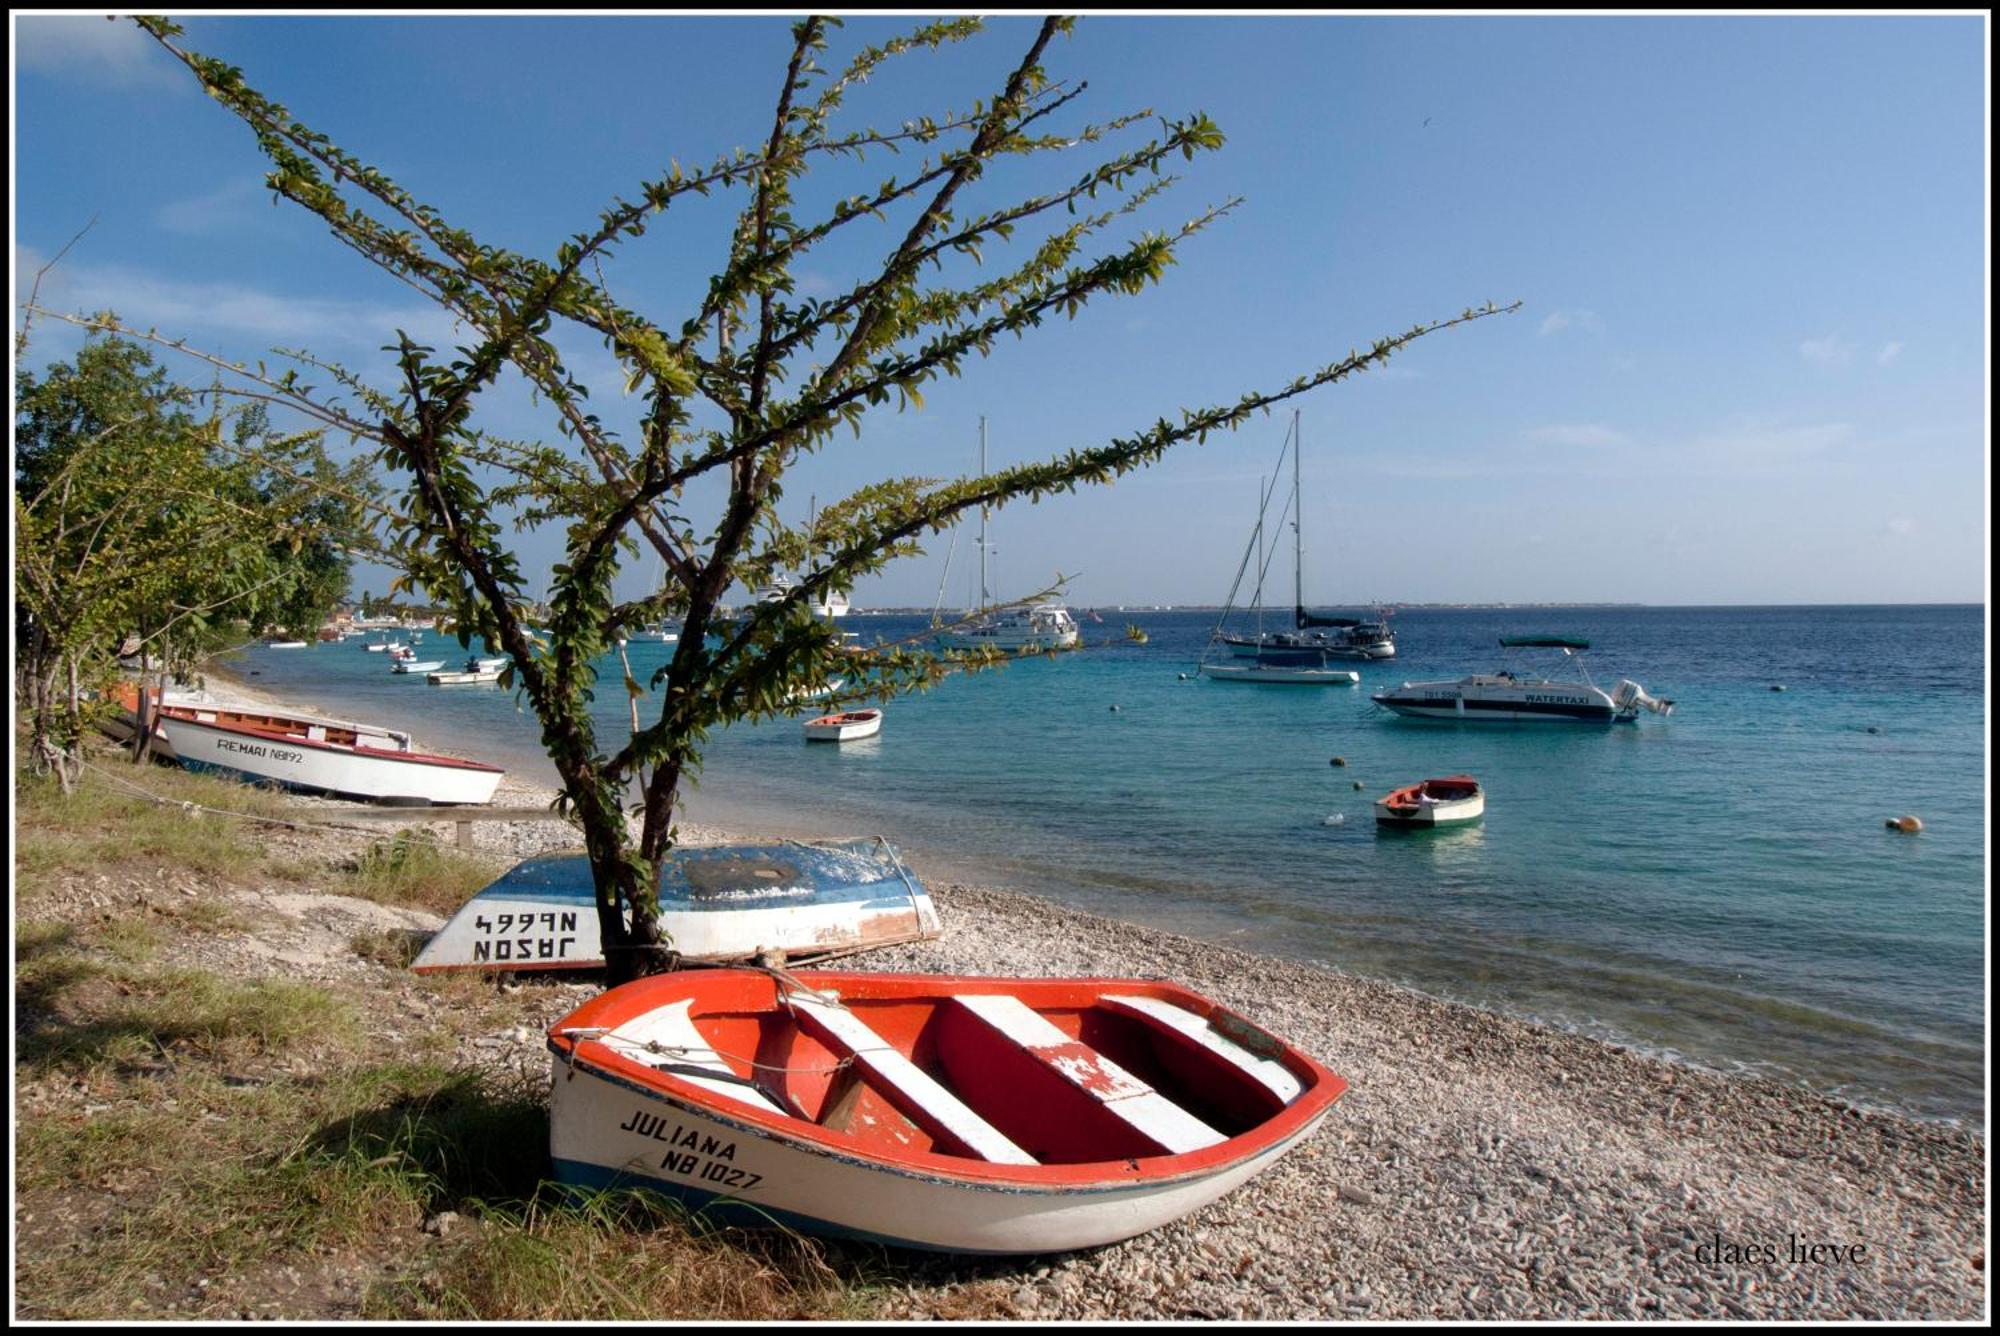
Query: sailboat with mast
[[1022, 630], [1299, 657], [1337, 637]]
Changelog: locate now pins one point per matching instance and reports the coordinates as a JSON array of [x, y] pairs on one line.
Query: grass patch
[[103, 822], [414, 869]]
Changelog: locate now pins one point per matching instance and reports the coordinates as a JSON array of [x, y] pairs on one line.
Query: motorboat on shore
[[844, 727], [718, 903], [1509, 697], [974, 1115], [1452, 800], [312, 755]]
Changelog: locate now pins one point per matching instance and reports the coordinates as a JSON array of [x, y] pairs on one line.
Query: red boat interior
[[1450, 789], [1004, 1071]]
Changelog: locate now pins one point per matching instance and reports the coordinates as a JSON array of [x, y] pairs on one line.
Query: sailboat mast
[[985, 599], [1298, 532]]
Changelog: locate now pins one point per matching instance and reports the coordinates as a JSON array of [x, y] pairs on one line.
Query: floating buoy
[[1357, 783], [1338, 760], [1337, 819], [1907, 824], [1183, 677], [1114, 709], [1777, 686], [1873, 729]]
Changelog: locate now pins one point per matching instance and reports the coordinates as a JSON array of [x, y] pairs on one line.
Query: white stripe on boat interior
[[672, 1030], [1142, 1107], [889, 1065], [1268, 1072]]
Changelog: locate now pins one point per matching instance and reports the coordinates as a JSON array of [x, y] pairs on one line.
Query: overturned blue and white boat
[[722, 903]]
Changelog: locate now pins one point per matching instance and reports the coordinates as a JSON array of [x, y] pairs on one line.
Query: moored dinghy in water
[[721, 903], [938, 1112], [1433, 802]]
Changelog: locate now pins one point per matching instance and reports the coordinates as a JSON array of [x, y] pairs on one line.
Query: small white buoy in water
[[1357, 783], [1777, 686], [1114, 709], [1907, 824], [1337, 819], [1183, 677]]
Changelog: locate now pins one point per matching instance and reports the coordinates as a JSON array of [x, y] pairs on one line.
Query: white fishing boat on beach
[[1509, 697], [718, 903], [976, 1115], [848, 727], [313, 755]]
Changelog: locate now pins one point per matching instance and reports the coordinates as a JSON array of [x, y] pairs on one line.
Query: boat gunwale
[[178, 714], [1322, 1086]]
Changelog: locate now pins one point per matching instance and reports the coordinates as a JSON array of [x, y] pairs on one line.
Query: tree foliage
[[145, 525], [741, 386]]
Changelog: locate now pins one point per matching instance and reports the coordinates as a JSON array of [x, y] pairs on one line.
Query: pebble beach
[[1479, 1167]]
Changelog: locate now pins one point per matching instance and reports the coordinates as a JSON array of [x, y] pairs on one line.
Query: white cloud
[[114, 52], [1890, 352], [1829, 351], [223, 209], [179, 309], [1590, 434], [1557, 321]]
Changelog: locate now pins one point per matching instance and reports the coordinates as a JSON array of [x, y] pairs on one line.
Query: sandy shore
[[1479, 1166]]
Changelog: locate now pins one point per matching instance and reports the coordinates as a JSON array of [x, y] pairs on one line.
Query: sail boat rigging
[[1044, 626], [1297, 656]]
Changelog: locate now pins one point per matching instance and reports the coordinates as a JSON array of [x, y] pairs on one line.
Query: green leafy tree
[[741, 386], [141, 531]]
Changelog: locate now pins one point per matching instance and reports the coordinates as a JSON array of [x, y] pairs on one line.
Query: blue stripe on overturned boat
[[861, 873]]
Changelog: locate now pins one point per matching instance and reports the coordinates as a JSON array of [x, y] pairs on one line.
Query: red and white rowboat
[[931, 1111], [1433, 802], [844, 727], [320, 756]]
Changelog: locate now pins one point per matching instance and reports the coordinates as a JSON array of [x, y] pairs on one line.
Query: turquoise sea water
[[1717, 885]]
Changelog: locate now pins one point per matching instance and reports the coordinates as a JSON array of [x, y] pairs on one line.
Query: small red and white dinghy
[[844, 727], [930, 1111], [1434, 802]]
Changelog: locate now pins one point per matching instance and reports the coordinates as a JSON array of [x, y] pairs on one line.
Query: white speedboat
[[416, 666], [1516, 698], [844, 727], [313, 755], [1044, 626]]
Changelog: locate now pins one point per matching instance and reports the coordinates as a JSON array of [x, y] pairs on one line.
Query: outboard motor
[[1630, 698]]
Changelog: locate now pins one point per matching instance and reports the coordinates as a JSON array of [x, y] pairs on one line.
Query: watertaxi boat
[[1525, 698], [1433, 802], [973, 1115], [844, 727], [720, 903]]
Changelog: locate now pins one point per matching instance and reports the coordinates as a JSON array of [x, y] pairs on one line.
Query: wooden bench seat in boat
[[1073, 1098], [910, 1087], [1267, 1072], [666, 1039]]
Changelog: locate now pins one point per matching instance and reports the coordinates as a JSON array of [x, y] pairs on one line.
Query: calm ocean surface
[[1716, 885]]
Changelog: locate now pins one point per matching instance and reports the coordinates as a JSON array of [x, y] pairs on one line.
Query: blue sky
[[1750, 366]]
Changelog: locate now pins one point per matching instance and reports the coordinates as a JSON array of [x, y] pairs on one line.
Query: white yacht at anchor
[[1017, 631], [1509, 697]]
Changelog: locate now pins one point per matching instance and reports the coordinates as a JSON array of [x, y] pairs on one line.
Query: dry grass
[[197, 1143]]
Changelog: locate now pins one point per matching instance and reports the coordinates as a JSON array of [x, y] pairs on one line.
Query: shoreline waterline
[[723, 811]]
